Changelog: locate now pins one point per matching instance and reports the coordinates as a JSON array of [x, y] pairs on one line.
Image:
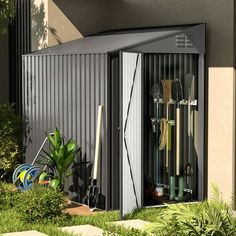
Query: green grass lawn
[[10, 222], [18, 209]]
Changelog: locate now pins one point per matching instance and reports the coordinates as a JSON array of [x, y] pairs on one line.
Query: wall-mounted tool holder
[[170, 158]]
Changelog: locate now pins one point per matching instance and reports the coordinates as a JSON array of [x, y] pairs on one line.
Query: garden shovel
[[178, 97], [189, 96], [93, 190], [167, 86]]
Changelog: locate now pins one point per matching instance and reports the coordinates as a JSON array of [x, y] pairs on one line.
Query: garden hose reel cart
[[24, 175]]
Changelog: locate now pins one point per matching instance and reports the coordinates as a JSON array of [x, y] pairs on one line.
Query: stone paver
[[136, 224], [25, 233], [83, 230]]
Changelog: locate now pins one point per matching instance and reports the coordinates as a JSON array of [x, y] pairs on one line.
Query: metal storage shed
[[63, 86]]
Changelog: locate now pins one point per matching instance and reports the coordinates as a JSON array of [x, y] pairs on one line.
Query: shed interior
[[167, 179], [157, 177]]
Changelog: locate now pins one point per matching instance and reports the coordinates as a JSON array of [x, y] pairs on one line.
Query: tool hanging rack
[[173, 102], [156, 121]]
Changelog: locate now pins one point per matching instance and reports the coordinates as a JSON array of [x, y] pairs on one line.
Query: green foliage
[[11, 222], [10, 139], [40, 203], [59, 158], [213, 217], [4, 186], [8, 196], [6, 11]]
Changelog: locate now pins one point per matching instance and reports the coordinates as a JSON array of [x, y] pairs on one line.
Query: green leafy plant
[[8, 196], [59, 158], [10, 139], [40, 203], [6, 11], [4, 186], [212, 217]]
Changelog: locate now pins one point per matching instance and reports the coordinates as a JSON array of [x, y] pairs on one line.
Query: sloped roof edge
[[113, 42]]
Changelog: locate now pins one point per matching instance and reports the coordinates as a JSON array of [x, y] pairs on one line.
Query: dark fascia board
[[144, 29]]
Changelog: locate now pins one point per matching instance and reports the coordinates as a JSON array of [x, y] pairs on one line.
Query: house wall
[[221, 130], [39, 22], [49, 25], [219, 16], [4, 68], [220, 82], [88, 16], [60, 28]]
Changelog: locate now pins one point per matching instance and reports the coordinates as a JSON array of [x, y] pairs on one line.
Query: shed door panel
[[131, 132]]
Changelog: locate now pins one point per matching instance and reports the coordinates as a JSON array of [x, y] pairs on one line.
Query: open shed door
[[131, 132]]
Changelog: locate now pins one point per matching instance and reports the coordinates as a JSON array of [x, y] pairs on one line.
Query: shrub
[[40, 203], [8, 196], [6, 11], [4, 186], [213, 217], [10, 139]]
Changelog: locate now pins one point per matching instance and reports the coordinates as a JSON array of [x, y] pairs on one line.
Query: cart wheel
[[18, 175], [30, 176]]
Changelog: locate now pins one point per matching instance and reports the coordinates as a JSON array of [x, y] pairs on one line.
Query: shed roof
[[111, 43]]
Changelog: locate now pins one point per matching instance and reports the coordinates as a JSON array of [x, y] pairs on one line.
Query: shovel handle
[[98, 139], [167, 138], [177, 140]]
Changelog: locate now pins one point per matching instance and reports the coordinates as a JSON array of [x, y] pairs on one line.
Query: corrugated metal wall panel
[[65, 91], [19, 44], [131, 188]]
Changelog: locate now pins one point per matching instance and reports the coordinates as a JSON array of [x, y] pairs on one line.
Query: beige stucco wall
[[39, 22], [60, 29], [88, 16], [49, 25], [221, 130]]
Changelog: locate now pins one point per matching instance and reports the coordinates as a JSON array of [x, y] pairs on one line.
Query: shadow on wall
[[40, 28], [29, 98], [77, 184]]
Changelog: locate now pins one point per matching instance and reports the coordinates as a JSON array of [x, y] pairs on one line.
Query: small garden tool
[[189, 96], [156, 95]]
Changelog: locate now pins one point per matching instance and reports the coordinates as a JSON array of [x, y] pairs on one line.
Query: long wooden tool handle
[[189, 130], [167, 134], [98, 135], [177, 140]]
